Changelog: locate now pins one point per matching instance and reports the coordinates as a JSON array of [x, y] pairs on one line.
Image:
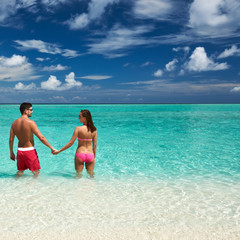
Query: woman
[[87, 136]]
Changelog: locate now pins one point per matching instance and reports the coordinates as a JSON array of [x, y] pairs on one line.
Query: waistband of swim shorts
[[26, 149]]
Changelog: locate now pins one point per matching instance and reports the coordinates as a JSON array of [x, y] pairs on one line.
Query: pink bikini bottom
[[85, 157]]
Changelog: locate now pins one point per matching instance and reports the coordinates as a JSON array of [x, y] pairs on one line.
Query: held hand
[[12, 156], [55, 152]]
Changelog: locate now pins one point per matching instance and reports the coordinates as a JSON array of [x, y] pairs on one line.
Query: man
[[24, 128]]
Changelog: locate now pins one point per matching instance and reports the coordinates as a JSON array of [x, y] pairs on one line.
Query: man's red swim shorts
[[27, 158]]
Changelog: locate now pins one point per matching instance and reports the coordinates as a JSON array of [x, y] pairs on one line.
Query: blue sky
[[120, 51]]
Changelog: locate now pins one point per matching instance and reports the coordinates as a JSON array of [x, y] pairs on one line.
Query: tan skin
[[24, 128], [83, 146]]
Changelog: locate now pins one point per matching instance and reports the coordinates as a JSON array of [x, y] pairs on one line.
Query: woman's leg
[[90, 167], [78, 165]]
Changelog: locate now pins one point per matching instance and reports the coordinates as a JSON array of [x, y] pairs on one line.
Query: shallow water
[[162, 172]]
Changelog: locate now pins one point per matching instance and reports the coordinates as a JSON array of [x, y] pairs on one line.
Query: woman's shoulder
[[79, 128], [82, 128]]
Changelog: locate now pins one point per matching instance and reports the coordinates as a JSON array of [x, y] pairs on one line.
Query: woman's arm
[[94, 143], [70, 143]]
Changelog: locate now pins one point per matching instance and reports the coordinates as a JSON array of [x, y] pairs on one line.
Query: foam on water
[[162, 172]]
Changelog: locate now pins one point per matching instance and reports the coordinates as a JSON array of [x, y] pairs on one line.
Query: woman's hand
[[55, 152]]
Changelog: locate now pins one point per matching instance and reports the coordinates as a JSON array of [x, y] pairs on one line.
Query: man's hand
[[12, 156], [55, 152]]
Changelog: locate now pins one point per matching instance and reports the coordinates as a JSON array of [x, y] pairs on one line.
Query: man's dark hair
[[24, 106]]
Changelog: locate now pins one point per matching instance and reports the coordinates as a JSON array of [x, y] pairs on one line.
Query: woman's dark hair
[[24, 106], [88, 116]]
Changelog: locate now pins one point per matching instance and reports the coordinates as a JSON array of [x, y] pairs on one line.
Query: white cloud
[[96, 77], [146, 64], [44, 47], [54, 84], [185, 49], [78, 22], [215, 18], [14, 61], [184, 87], [71, 82], [50, 3], [77, 98], [204, 12], [9, 8], [126, 64], [70, 53], [156, 9], [21, 86], [171, 65], [53, 68], [51, 84], [96, 10], [158, 73], [233, 51], [16, 68], [119, 39], [199, 61], [97, 7], [39, 45], [42, 59], [151, 82], [58, 97], [235, 89]]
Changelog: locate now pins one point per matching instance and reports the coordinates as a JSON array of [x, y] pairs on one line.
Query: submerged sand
[[136, 208]]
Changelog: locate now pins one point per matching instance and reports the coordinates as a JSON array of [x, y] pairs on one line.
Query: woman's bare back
[[85, 139]]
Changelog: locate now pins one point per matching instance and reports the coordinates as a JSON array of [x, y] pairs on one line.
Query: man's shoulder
[[13, 124], [27, 123], [31, 122], [16, 121]]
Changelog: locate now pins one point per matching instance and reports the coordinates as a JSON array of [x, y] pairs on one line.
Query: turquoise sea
[[162, 172]]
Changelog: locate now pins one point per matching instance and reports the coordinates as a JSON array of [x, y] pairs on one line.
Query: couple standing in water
[[27, 157]]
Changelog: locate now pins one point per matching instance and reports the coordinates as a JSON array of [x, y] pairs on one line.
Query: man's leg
[[34, 164], [20, 173], [36, 173]]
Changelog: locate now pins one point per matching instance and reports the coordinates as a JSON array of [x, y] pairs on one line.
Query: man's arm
[[36, 131], [11, 140]]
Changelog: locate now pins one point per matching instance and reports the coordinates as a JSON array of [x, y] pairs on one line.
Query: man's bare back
[[24, 129]]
